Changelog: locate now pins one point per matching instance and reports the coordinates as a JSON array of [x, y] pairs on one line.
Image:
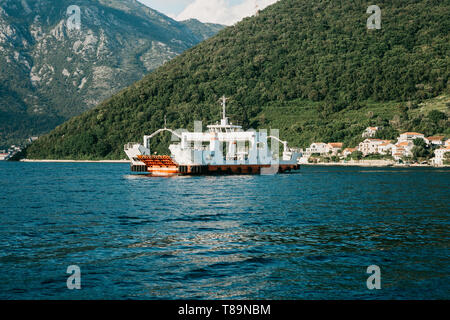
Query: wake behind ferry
[[224, 149]]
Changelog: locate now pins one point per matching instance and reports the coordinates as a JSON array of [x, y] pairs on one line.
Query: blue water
[[309, 235]]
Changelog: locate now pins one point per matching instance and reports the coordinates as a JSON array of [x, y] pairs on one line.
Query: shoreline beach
[[373, 165]]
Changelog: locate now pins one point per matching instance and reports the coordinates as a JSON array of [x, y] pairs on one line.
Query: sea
[[97, 231]]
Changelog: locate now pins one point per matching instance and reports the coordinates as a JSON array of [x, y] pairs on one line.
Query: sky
[[225, 12]]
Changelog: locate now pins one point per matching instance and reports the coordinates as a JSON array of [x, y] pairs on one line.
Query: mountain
[[51, 70], [309, 68], [202, 30]]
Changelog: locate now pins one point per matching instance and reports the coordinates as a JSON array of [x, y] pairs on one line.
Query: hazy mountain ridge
[[203, 30], [49, 73]]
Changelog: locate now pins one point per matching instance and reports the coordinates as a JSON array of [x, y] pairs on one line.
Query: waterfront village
[[410, 148], [9, 153], [370, 152]]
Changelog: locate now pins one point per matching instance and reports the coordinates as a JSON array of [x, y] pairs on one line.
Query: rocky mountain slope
[[60, 58], [312, 69]]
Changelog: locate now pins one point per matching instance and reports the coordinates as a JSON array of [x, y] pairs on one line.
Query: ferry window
[[247, 146], [240, 146], [224, 148]]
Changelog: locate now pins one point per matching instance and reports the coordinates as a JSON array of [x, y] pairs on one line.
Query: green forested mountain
[[309, 68], [50, 71]]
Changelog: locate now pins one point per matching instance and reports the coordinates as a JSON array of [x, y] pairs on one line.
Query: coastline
[[363, 163], [373, 164]]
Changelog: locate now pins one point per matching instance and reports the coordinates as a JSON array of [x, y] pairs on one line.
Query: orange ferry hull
[[165, 166]]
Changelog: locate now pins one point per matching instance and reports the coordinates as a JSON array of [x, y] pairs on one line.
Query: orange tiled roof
[[336, 144], [402, 144], [436, 138], [413, 133]]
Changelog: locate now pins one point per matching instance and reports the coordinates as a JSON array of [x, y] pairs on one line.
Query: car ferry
[[224, 149]]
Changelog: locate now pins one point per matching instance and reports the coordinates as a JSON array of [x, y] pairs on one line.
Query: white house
[[385, 147], [32, 139], [15, 148], [348, 151], [370, 146], [439, 155], [410, 136], [370, 132], [402, 149], [436, 140], [335, 147], [4, 156], [317, 147]]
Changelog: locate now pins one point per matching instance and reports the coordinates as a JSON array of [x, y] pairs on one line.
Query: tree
[[386, 133], [436, 115], [358, 155], [421, 150], [335, 159], [447, 158], [406, 159], [419, 142]]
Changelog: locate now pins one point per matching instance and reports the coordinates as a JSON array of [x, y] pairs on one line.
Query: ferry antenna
[[223, 101]]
